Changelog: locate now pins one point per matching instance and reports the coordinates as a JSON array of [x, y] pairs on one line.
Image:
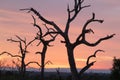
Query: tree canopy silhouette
[[45, 42]]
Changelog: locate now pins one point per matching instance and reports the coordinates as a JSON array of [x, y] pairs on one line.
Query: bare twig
[[33, 62], [48, 62]]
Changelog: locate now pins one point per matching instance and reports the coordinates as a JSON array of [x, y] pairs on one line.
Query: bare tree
[[45, 42], [81, 39], [23, 46]]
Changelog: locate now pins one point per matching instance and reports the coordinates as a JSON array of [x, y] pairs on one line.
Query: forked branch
[[90, 21], [81, 39], [85, 30], [72, 14], [40, 36]]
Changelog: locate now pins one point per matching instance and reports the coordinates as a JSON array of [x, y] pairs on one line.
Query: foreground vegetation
[[14, 75]]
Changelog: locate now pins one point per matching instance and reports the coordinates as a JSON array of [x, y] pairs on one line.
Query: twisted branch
[[97, 42], [94, 55], [86, 68], [41, 35], [43, 19], [81, 39], [10, 54], [88, 65]]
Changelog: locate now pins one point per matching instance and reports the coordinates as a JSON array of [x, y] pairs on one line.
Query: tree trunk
[[23, 68], [42, 66], [43, 61], [72, 64]]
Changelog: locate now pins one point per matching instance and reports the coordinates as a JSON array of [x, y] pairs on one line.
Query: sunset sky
[[15, 22]]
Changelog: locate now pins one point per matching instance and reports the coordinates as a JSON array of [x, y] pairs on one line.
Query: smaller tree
[[23, 46], [43, 39], [115, 71]]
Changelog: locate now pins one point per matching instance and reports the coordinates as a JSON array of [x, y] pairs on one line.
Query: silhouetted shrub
[[115, 71]]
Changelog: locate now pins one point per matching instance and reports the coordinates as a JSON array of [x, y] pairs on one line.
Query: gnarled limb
[[94, 55], [10, 54], [84, 30], [97, 42], [44, 19], [81, 39], [88, 65], [86, 68], [40, 36]]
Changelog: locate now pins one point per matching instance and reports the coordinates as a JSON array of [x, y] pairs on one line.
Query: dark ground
[[30, 75]]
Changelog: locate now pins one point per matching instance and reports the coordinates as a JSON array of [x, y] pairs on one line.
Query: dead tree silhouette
[[23, 47], [81, 39], [45, 42]]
